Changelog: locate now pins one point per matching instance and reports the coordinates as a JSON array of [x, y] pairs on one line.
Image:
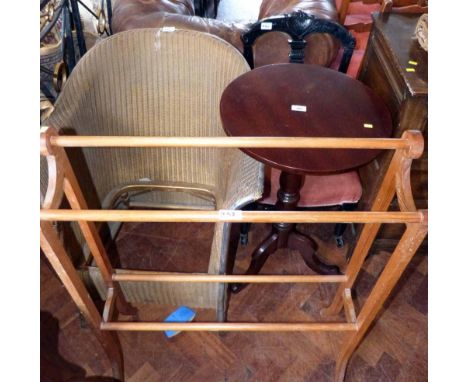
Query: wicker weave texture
[[149, 82], [199, 295], [152, 82]]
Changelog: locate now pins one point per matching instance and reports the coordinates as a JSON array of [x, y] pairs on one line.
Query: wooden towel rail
[[239, 216], [62, 180], [236, 142]]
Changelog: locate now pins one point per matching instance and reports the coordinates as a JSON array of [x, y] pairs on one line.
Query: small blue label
[[182, 314]]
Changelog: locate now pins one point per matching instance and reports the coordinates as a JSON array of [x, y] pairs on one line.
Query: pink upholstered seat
[[358, 13], [318, 190], [362, 39]]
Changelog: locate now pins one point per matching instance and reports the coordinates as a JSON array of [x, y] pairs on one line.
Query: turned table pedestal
[[297, 100]]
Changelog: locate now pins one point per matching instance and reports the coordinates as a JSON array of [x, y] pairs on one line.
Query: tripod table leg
[[259, 257]]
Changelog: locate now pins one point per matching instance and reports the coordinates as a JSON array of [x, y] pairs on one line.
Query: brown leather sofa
[[270, 48]]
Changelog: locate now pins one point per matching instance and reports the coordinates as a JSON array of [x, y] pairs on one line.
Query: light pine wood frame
[[396, 181]]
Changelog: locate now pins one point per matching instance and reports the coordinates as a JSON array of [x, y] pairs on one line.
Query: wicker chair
[[160, 82]]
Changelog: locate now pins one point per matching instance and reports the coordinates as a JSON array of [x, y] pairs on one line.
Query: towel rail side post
[[77, 201], [366, 238], [398, 169], [53, 249], [404, 252]]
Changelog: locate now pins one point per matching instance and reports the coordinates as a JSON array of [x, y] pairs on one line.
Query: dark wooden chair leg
[[340, 228], [244, 233], [245, 227], [227, 267]]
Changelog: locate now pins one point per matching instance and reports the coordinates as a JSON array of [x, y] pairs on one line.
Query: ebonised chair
[[322, 188], [299, 25]]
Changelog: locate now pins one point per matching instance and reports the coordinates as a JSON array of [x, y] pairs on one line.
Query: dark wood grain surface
[[391, 46], [397, 32], [259, 103]]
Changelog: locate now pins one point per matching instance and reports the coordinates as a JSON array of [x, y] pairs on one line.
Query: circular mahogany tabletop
[[260, 103]]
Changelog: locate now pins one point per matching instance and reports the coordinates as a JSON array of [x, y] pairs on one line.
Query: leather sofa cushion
[[268, 49], [230, 32], [125, 11], [180, 7]]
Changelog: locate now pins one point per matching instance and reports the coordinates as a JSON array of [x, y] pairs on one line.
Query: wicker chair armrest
[[243, 181]]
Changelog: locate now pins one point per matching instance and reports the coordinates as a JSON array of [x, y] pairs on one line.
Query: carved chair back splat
[[298, 25]]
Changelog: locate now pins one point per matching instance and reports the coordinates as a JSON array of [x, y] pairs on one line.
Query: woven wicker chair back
[[159, 82]]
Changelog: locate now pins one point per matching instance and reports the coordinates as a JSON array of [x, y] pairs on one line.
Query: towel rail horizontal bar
[[230, 326], [235, 142], [159, 277], [231, 216]]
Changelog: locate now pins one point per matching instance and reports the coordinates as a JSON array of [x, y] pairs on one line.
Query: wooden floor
[[395, 349]]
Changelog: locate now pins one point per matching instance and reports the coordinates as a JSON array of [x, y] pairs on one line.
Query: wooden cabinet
[[391, 48]]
